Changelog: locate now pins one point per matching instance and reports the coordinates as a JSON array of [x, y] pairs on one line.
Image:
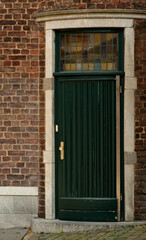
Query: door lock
[[61, 149]]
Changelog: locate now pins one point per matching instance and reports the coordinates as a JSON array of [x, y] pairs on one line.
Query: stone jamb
[[49, 154]]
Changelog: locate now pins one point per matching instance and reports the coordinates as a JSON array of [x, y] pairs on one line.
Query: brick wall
[[140, 120], [93, 4], [22, 45]]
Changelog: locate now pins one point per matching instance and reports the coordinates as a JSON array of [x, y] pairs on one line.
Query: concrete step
[[13, 234], [40, 225]]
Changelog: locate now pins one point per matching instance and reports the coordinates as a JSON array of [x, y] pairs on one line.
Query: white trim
[[18, 191], [89, 23]]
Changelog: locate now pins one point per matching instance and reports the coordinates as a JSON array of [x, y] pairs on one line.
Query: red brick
[[7, 63], [16, 63], [7, 22], [15, 177], [19, 153], [16, 51]]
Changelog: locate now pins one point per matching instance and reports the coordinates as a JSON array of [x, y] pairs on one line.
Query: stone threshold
[[40, 225]]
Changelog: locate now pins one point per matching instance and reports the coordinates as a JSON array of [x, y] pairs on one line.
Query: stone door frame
[[89, 19]]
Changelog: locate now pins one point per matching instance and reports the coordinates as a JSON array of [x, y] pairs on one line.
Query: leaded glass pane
[[79, 40], [89, 52], [74, 39], [68, 40], [67, 65], [85, 39], [110, 39], [79, 64], [103, 65], [103, 38], [85, 64]]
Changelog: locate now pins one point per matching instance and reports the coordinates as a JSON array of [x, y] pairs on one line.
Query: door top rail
[[87, 73]]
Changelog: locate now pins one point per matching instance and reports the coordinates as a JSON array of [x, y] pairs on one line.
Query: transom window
[[89, 51]]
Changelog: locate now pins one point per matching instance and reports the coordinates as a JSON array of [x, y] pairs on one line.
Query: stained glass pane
[[97, 52], [103, 51], [91, 37], [103, 38], [74, 39], [97, 64], [97, 38], [109, 51], [79, 52], [85, 64], [85, 52], [67, 51], [67, 65], [110, 66], [91, 64], [62, 40], [115, 39], [103, 65], [89, 52], [109, 39], [63, 65], [62, 52], [67, 40], [79, 39], [73, 66], [85, 39], [73, 52], [79, 65]]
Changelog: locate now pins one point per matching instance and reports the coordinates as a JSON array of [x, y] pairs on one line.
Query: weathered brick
[[7, 22], [19, 153], [7, 63], [15, 177], [18, 57], [140, 110], [16, 129]]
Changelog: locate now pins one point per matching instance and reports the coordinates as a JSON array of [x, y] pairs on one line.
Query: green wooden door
[[85, 133]]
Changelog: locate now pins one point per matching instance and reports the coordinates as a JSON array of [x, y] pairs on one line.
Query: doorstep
[[40, 225]]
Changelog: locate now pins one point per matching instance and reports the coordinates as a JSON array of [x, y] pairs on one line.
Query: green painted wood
[[88, 73], [94, 204], [90, 216], [87, 122]]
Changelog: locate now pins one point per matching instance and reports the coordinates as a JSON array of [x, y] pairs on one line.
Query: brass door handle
[[61, 149]]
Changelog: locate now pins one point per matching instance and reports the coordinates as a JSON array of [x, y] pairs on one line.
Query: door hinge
[[121, 89]]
